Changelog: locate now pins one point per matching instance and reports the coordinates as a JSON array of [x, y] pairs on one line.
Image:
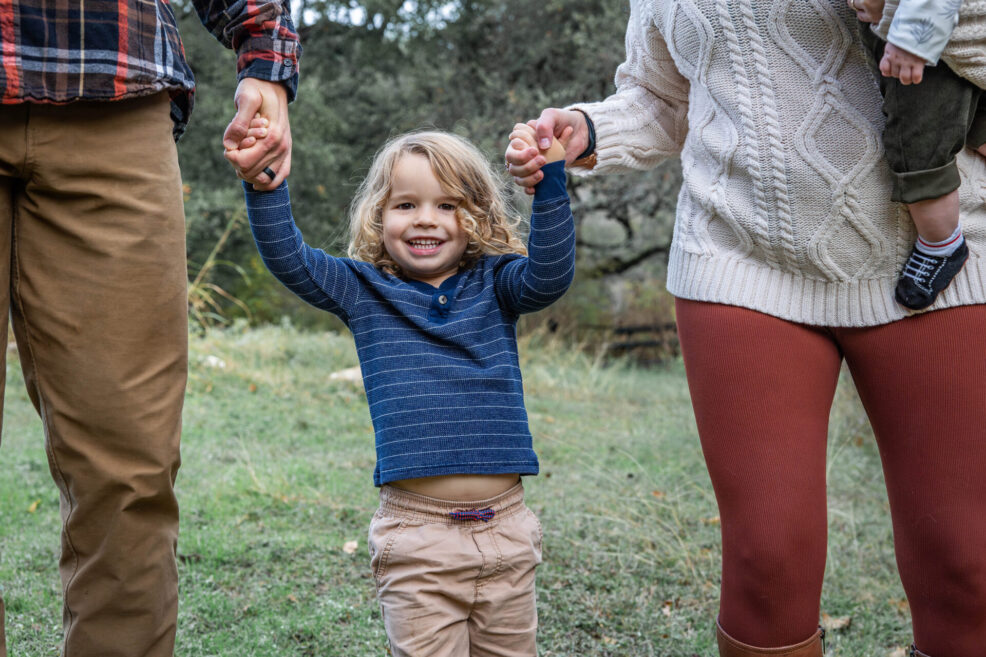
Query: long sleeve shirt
[[60, 52], [440, 364]]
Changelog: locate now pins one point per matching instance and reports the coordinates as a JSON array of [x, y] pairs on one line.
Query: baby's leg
[[936, 219], [927, 125]]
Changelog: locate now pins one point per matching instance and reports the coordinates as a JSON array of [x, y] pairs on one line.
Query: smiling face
[[421, 232]]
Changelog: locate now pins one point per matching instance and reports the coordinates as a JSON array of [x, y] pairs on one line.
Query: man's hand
[[868, 11], [900, 64], [525, 161], [270, 101]]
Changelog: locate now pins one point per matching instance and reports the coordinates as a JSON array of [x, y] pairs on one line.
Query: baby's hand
[[526, 134], [900, 64], [258, 130]]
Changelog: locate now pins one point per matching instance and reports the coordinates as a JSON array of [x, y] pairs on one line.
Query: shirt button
[[443, 299]]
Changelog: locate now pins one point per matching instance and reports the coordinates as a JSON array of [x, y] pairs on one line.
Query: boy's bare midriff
[[460, 487]]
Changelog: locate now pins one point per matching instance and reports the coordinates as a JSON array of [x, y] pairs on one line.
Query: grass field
[[276, 479]]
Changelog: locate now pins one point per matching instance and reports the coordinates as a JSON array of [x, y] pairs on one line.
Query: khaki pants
[[92, 268], [456, 587]]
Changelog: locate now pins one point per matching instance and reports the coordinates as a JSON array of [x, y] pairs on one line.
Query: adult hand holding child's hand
[[255, 159], [526, 137], [525, 159]]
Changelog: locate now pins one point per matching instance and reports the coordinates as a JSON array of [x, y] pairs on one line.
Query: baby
[[932, 113]]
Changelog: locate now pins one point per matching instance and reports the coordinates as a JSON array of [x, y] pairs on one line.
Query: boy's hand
[[525, 133], [256, 132], [900, 64], [523, 140]]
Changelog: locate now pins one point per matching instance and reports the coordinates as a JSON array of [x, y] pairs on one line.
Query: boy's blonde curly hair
[[463, 172]]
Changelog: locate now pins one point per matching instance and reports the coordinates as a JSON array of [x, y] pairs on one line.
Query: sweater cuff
[[552, 186], [607, 146]]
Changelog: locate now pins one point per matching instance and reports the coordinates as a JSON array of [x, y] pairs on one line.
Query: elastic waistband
[[400, 503]]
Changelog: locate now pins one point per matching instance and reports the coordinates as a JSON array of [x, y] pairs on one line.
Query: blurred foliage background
[[376, 68]]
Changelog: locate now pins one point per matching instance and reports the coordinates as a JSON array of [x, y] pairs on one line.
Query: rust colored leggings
[[762, 389]]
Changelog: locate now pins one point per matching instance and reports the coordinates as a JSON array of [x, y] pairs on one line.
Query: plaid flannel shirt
[[59, 52]]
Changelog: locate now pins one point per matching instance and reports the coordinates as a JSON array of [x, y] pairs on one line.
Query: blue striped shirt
[[440, 365]]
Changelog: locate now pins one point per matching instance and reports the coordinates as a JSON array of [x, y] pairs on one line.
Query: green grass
[[276, 477]]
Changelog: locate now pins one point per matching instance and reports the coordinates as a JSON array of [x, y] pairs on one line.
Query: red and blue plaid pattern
[[59, 52], [473, 514]]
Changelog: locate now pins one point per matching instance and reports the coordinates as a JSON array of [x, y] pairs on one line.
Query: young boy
[[932, 112]]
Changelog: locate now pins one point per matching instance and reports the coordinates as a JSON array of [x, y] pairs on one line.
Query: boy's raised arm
[[529, 284], [318, 278]]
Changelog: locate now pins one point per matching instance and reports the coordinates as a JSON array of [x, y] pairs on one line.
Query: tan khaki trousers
[[456, 587], [92, 268]]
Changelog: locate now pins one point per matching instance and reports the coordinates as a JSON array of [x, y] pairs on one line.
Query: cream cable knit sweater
[[785, 206], [965, 52]]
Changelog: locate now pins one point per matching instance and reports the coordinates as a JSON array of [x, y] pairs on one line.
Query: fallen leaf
[[899, 651], [253, 387], [34, 506], [714, 520], [659, 494], [835, 623], [292, 597], [900, 605], [350, 547]]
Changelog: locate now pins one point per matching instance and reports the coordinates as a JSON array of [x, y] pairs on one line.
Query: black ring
[[270, 173]]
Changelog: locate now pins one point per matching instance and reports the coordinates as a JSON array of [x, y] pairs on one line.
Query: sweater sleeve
[[923, 27], [646, 120], [525, 285], [318, 278]]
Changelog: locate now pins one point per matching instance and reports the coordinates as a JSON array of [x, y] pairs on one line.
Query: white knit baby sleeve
[[645, 121]]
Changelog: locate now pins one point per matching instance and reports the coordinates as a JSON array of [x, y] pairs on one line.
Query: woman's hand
[[524, 161], [868, 11]]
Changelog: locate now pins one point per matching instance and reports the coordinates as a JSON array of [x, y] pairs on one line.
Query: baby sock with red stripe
[[941, 249]]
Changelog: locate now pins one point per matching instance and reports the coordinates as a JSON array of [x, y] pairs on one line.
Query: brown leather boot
[[917, 653], [730, 647]]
